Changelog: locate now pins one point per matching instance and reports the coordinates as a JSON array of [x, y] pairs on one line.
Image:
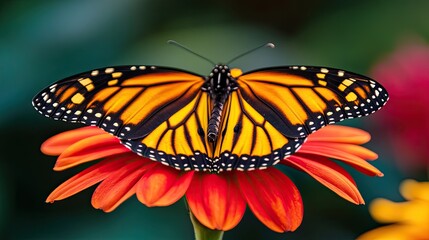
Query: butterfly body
[[220, 122], [219, 84]]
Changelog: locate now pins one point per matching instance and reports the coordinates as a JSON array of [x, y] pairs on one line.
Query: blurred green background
[[44, 41]]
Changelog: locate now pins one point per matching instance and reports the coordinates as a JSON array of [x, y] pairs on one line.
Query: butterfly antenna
[[190, 51], [270, 45]]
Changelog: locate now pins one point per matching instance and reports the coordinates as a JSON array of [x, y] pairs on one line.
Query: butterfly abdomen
[[215, 117]]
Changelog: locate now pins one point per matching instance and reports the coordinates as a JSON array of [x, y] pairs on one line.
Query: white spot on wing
[[109, 70]]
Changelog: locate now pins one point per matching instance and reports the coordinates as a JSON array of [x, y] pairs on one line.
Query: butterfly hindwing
[[301, 100], [247, 140], [181, 140], [128, 101]]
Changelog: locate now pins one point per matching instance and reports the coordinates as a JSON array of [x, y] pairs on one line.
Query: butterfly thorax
[[219, 84]]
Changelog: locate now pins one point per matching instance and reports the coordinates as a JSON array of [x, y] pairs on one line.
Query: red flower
[[405, 73], [218, 201]]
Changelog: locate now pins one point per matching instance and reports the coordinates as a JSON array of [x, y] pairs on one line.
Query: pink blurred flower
[[405, 74]]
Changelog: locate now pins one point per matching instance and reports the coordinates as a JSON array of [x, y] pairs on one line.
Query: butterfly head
[[220, 81]]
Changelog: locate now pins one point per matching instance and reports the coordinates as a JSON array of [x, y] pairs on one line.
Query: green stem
[[204, 233]]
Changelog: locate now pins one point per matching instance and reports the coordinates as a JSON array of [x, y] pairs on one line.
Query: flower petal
[[386, 211], [411, 189], [88, 149], [60, 142], [120, 185], [215, 200], [162, 185], [273, 198], [325, 150], [337, 133], [329, 174], [408, 213], [353, 149], [87, 178], [394, 232]]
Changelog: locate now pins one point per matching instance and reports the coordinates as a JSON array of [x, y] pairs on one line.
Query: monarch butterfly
[[225, 121]]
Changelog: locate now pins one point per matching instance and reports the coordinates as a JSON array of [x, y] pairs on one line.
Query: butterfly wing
[[274, 110], [180, 141], [128, 101], [159, 113], [300, 100], [248, 140]]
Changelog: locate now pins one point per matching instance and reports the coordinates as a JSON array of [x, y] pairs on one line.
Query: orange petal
[[329, 174], [353, 149], [60, 142], [337, 133], [87, 178], [215, 200], [162, 185], [89, 149], [273, 198], [119, 186], [330, 152]]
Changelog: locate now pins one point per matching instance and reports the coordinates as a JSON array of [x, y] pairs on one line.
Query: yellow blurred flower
[[410, 218]]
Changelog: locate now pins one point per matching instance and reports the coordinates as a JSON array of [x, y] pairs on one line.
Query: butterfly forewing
[[128, 101], [300, 100]]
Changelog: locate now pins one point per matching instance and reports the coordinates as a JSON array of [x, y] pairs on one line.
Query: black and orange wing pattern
[[298, 100], [180, 141], [275, 109], [248, 141], [162, 113], [151, 106]]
